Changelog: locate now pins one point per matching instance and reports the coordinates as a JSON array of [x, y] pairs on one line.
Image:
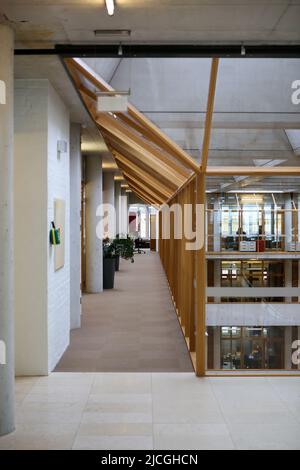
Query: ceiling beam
[[131, 167], [160, 137], [143, 183], [209, 113], [187, 50], [111, 124], [142, 187], [143, 197], [162, 178], [142, 154]]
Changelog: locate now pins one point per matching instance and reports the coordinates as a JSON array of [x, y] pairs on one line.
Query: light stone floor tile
[[115, 429], [64, 396], [122, 383], [192, 437], [180, 384], [40, 437], [113, 443], [155, 410], [43, 412], [252, 417], [101, 418], [266, 436], [117, 398], [170, 409]]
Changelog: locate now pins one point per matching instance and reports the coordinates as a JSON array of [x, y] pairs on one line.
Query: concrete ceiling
[[46, 22], [51, 68], [253, 105]]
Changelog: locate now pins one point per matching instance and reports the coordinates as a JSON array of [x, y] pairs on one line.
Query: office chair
[[138, 246]]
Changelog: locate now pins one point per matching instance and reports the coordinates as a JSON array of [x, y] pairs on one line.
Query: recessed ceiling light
[[110, 6]]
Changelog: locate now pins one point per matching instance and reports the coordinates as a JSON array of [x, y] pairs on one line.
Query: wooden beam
[[201, 288], [144, 183], [201, 275], [165, 180], [142, 187], [159, 135], [132, 168], [112, 125], [142, 196], [142, 154], [209, 112]]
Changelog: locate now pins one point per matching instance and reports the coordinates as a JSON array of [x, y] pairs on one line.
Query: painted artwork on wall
[[59, 220]]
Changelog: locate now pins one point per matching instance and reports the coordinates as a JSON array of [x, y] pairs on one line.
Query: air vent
[[112, 32]]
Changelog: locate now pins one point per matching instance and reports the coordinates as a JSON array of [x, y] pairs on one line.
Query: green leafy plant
[[124, 247], [109, 250]]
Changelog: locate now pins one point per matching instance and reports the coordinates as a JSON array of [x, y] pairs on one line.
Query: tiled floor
[[132, 328], [155, 411]]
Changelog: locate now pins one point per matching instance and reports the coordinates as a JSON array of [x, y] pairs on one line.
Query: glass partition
[[252, 222], [249, 347], [275, 281]]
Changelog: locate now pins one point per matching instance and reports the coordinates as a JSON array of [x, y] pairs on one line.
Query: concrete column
[[299, 278], [287, 347], [75, 225], [299, 338], [94, 252], [117, 205], [124, 214], [147, 210], [217, 348], [287, 220], [217, 226], [7, 366], [108, 195]]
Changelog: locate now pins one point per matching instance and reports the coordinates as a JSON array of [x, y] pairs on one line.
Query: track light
[[110, 6]]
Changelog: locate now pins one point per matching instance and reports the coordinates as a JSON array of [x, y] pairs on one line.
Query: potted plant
[[118, 251], [109, 264], [124, 247]]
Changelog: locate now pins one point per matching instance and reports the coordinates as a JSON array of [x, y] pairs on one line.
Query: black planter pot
[[109, 267], [117, 260]]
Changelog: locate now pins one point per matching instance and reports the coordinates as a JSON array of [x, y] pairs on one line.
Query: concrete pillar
[[75, 225], [94, 251], [299, 338], [299, 279], [217, 226], [124, 214], [108, 195], [287, 347], [287, 221], [7, 366], [118, 205], [147, 210]]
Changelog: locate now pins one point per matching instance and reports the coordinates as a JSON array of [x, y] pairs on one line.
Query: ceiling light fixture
[[110, 6]]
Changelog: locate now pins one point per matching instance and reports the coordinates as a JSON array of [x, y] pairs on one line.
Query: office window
[[252, 347]]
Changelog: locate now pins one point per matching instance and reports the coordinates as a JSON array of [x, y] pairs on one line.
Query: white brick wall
[[58, 188], [42, 296]]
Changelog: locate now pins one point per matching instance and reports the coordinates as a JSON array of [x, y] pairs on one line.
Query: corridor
[[132, 328]]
